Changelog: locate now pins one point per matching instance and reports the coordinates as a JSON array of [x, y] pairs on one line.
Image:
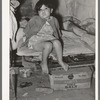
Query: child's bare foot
[[44, 68], [65, 66]]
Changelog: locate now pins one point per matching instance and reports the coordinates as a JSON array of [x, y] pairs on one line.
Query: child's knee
[[48, 45], [56, 42]]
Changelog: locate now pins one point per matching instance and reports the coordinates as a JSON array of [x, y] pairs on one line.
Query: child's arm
[[58, 28]]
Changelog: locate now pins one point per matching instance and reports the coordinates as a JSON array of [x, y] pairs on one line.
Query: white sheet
[[75, 46], [72, 45]]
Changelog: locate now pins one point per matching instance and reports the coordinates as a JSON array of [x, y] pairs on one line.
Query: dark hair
[[47, 3]]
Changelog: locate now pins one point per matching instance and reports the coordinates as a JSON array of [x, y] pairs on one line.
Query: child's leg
[[58, 48], [45, 47], [46, 51]]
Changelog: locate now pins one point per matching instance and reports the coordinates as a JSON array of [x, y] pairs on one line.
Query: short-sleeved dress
[[45, 34], [37, 31]]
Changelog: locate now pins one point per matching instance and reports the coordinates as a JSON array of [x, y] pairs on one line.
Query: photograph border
[[1, 50], [96, 54], [98, 50], [4, 51]]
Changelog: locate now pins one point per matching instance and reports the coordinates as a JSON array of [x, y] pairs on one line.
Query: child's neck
[[49, 18]]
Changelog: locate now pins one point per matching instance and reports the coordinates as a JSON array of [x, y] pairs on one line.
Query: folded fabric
[[44, 90]]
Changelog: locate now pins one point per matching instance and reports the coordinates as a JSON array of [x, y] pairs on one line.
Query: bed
[[73, 43]]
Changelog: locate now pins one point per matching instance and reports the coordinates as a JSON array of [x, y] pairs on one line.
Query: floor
[[37, 79], [31, 91]]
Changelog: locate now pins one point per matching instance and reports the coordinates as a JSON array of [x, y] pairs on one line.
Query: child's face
[[45, 12]]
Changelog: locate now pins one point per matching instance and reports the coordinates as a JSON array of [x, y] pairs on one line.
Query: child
[[42, 34]]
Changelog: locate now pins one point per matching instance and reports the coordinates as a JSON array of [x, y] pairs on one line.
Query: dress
[[45, 34], [33, 33]]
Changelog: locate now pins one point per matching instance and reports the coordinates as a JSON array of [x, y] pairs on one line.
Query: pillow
[[68, 21], [89, 25]]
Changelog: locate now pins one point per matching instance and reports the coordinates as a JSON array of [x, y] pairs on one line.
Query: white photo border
[[5, 50]]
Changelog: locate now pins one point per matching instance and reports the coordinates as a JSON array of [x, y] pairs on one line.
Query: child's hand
[[24, 39]]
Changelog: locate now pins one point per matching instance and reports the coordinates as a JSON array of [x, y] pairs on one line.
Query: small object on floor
[[14, 70], [57, 99], [15, 98], [38, 99], [25, 94], [44, 90], [25, 72], [25, 84]]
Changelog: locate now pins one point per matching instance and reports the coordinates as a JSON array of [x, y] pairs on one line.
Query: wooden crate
[[74, 78]]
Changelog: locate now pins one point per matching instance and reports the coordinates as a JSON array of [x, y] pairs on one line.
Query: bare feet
[[65, 66], [44, 68]]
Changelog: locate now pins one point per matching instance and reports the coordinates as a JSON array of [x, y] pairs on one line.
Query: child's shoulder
[[55, 19]]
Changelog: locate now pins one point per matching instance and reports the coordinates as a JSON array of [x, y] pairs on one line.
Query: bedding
[[85, 30], [73, 43], [75, 46], [71, 46]]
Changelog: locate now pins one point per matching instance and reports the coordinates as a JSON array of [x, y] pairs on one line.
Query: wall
[[81, 9]]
